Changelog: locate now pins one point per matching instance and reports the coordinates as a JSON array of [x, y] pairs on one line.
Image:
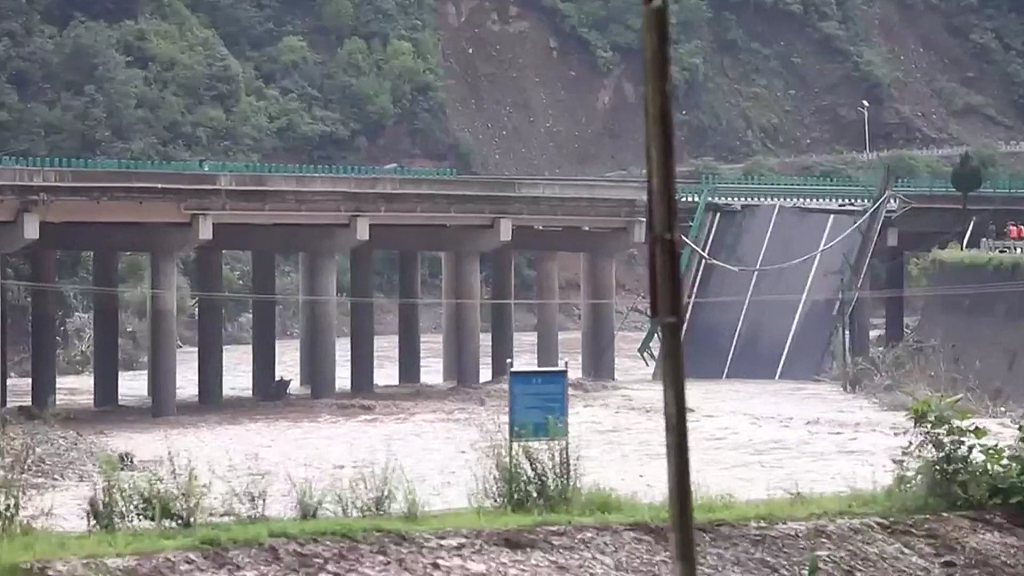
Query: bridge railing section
[[646, 347], [1002, 246], [223, 167], [809, 190]]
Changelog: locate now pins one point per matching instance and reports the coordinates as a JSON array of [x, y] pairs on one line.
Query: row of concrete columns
[[318, 310]]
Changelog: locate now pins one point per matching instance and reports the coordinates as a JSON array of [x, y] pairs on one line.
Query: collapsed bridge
[[773, 323]]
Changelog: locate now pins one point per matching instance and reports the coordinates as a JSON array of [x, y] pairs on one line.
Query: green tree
[[966, 177]]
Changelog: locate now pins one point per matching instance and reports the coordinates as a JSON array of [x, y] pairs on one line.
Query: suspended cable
[[737, 268]]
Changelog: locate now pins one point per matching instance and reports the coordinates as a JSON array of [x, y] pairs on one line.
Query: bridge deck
[[771, 324]]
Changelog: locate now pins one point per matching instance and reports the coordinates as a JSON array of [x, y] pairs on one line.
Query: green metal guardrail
[[646, 349], [223, 167], [825, 189]]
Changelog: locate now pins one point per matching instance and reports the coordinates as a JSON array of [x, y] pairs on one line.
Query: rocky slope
[[980, 546], [531, 96]]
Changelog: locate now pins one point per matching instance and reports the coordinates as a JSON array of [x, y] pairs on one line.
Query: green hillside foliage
[[314, 81], [297, 81]]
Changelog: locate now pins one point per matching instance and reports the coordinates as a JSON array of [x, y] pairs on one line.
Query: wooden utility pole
[[666, 282]]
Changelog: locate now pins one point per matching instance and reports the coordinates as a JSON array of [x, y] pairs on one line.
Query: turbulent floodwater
[[748, 439]]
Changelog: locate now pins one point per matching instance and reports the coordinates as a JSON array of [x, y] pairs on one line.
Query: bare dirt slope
[[527, 98], [960, 545]]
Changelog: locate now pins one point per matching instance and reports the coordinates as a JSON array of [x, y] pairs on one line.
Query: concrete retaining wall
[[979, 328]]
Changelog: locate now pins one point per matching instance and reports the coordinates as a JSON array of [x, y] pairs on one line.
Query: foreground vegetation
[[601, 509], [949, 463]]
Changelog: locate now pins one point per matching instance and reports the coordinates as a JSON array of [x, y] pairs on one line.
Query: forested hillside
[[495, 86], [322, 81]]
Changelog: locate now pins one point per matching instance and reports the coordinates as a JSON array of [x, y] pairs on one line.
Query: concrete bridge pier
[[546, 265], [163, 333], [860, 328], [44, 328], [449, 319], [409, 317], [502, 323], [3, 332], [461, 339], [895, 267], [210, 268], [106, 329], [598, 338], [264, 321], [305, 309], [361, 329], [321, 329]]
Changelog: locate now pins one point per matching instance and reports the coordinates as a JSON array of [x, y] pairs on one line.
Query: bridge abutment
[[264, 321], [502, 323], [44, 328], [409, 317], [322, 321], [163, 333], [546, 308], [210, 268], [106, 321], [361, 328], [598, 338]]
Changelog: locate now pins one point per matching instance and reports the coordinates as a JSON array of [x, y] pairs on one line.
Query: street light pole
[[867, 135]]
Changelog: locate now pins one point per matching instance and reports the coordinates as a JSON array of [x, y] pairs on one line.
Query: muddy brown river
[[748, 439]]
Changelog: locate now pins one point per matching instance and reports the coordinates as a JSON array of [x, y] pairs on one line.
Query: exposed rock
[[948, 544], [276, 392]]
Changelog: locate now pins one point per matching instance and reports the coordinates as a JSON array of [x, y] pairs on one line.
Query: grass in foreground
[[595, 507]]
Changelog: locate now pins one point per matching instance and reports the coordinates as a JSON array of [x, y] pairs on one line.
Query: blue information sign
[[538, 404]]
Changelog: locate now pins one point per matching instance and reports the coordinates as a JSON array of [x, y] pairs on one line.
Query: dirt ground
[[961, 545]]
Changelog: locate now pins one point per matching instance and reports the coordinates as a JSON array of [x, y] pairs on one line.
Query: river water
[[748, 439]]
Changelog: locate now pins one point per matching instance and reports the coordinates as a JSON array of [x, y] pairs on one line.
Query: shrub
[[411, 505], [375, 491], [309, 500], [535, 477], [382, 491], [953, 463], [172, 497], [250, 501], [109, 507], [15, 456]]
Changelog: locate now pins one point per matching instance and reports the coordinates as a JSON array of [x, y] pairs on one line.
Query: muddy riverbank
[[977, 545]]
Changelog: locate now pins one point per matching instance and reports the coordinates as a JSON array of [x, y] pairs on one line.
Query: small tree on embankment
[[967, 177]]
